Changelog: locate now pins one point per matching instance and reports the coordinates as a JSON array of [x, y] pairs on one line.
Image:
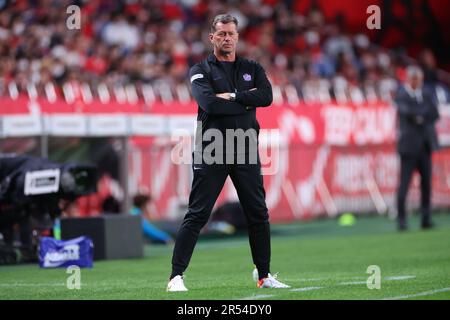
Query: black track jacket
[[209, 78]]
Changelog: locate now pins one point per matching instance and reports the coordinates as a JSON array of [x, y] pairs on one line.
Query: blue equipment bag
[[56, 253]]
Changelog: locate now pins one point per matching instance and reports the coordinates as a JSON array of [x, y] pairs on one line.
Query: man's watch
[[232, 96]]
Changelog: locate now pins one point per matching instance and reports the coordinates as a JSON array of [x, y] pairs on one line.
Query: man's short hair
[[140, 200], [414, 71], [224, 18]]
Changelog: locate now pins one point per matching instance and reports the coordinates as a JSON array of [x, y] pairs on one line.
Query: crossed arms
[[418, 116], [220, 104]]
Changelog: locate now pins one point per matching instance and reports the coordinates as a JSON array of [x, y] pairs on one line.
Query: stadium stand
[[142, 49]]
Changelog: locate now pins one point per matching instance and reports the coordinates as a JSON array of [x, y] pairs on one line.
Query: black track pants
[[206, 186]]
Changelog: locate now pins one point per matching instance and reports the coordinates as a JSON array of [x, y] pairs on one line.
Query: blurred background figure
[[110, 205], [417, 114], [142, 206], [229, 218]]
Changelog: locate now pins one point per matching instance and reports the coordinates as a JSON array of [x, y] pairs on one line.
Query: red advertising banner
[[321, 159], [328, 159]]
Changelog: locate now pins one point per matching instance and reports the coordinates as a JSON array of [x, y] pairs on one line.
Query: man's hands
[[227, 95]]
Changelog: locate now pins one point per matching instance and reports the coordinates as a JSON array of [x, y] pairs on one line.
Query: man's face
[[415, 81], [225, 38]]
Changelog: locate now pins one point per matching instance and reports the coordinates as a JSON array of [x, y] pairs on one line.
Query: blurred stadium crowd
[[155, 41]]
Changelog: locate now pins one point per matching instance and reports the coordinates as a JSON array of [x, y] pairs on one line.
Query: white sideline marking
[[12, 285], [390, 278], [352, 283], [306, 289], [393, 278], [396, 278], [258, 296], [317, 279], [425, 293], [311, 279]]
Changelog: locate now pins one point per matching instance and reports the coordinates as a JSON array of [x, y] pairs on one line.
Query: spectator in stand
[[137, 42], [142, 205]]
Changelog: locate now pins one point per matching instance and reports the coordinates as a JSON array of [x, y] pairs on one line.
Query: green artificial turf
[[320, 260]]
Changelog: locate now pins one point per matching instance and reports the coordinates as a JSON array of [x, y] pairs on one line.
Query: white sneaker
[[176, 285], [271, 282]]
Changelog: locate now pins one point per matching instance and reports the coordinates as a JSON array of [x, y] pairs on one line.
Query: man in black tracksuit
[[228, 89]]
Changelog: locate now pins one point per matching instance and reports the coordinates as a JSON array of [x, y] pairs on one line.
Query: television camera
[[33, 192]]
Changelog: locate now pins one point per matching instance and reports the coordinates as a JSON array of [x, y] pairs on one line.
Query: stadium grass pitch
[[320, 260]]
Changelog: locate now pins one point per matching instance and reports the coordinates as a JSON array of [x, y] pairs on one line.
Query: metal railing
[[310, 92]]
